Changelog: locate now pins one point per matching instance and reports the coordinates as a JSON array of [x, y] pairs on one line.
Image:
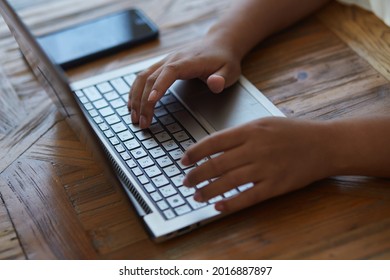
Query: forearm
[[359, 146], [250, 21]]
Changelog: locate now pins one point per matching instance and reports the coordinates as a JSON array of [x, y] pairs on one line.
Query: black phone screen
[[89, 40]]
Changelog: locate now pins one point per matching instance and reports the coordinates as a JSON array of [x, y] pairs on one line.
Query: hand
[[277, 155], [209, 60]]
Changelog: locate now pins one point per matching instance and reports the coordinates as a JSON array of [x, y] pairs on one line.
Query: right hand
[[207, 59]]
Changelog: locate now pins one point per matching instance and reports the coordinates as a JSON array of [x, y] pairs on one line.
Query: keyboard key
[[134, 127], [130, 79], [245, 187], [195, 204], [157, 152], [146, 162], [166, 120], [183, 166], [170, 145], [168, 98], [215, 199], [119, 148], [149, 188], [125, 156], [174, 127], [100, 104], [150, 143], [186, 191], [156, 128], [174, 107], [107, 111], [132, 144], [153, 171], [181, 136], [163, 136], [156, 196], [123, 111], [138, 153], [164, 161], [187, 144], [143, 179], [169, 214], [88, 106], [162, 205], [171, 171], [92, 93], [181, 210], [120, 86], [104, 87], [79, 93], [125, 135], [118, 103], [111, 96], [114, 141], [131, 163], [109, 133], [98, 120], [143, 135], [119, 127], [112, 119], [84, 100], [175, 201], [137, 171], [103, 127], [178, 180], [93, 113], [160, 181], [176, 154], [158, 112], [167, 191], [230, 193]]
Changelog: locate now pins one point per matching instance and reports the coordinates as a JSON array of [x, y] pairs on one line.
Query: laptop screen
[[51, 77]]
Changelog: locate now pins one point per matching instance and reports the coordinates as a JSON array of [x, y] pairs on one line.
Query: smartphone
[[93, 39]]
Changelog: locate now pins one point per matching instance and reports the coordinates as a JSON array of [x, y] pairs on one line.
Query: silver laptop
[[146, 162]]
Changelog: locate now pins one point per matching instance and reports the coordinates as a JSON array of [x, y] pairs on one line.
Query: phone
[[93, 39]]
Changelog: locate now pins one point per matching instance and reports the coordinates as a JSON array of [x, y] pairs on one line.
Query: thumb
[[222, 79], [216, 83]]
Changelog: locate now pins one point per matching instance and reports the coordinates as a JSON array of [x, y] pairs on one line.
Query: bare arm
[[250, 21], [216, 58], [279, 155]]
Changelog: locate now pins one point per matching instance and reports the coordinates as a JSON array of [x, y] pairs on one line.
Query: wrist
[[223, 38]]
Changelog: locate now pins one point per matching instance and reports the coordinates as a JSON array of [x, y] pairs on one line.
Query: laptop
[[146, 162]]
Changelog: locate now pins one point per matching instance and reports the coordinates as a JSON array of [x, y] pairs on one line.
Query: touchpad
[[234, 106]]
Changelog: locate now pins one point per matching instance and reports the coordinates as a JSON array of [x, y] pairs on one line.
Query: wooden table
[[56, 202]]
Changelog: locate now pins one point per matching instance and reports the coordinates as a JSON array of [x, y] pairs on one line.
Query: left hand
[[277, 155]]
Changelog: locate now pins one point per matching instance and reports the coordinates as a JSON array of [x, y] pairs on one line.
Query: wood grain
[[9, 242], [58, 201]]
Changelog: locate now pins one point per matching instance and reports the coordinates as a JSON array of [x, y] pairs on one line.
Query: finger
[[224, 77], [213, 144], [137, 89], [158, 83], [227, 182], [147, 106], [216, 83], [216, 167]]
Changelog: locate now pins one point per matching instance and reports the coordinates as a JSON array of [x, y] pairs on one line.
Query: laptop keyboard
[[152, 155]]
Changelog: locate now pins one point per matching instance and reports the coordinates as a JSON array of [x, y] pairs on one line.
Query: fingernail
[[186, 183], [198, 197], [219, 207], [142, 122], [185, 160], [134, 116], [153, 97]]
